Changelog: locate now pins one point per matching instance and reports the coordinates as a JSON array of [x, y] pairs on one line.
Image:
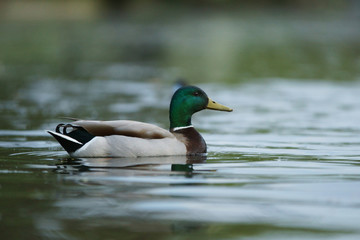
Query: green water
[[283, 165]]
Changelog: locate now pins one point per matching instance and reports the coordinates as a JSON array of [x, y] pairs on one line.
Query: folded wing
[[124, 128]]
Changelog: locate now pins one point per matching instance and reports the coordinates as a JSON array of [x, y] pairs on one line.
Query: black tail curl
[[71, 137], [76, 132], [63, 127]]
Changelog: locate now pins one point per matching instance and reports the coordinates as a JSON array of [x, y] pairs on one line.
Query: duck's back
[[123, 127]]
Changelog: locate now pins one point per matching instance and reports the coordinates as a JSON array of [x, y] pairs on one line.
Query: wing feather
[[125, 128]]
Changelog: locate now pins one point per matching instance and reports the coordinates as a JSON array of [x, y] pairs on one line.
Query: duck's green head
[[188, 100]]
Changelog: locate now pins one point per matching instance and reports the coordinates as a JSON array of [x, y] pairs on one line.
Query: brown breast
[[192, 139]]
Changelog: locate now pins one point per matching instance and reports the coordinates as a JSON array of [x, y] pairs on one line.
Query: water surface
[[272, 171], [283, 165]]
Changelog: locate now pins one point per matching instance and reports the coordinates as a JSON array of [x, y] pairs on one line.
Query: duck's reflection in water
[[99, 191], [178, 163]]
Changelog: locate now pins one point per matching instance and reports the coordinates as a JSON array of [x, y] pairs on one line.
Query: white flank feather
[[65, 137], [123, 146]]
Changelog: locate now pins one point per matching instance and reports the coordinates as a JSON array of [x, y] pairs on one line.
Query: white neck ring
[[180, 128]]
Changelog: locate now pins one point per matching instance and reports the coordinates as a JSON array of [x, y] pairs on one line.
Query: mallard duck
[[125, 138]]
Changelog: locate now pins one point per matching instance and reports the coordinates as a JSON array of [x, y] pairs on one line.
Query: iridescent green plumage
[[185, 102]]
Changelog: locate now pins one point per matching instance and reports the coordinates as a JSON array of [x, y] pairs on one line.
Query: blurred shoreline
[[90, 10], [206, 41]]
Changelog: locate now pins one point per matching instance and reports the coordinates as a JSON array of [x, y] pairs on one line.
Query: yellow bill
[[217, 106]]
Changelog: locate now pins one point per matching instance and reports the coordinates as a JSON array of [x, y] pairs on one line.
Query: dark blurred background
[[204, 41]]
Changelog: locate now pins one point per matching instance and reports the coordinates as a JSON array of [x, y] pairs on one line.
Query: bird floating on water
[[126, 138]]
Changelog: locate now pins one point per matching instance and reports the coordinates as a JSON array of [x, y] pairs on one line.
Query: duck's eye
[[196, 93]]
